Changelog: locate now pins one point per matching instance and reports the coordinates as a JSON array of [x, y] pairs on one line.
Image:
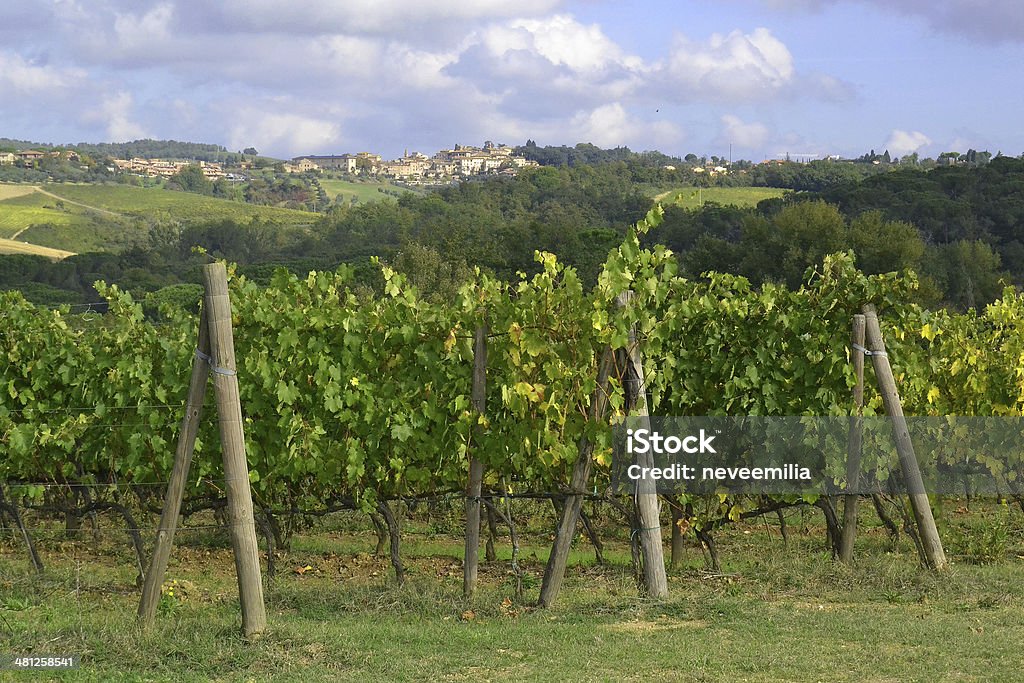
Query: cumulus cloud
[[115, 115], [279, 132], [611, 126], [561, 40], [741, 67], [744, 135], [299, 73], [902, 142], [735, 67], [145, 30], [412, 19], [19, 76]]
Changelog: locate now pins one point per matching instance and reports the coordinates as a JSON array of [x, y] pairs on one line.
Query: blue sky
[[325, 76]]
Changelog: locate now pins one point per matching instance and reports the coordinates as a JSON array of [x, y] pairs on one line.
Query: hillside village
[[165, 169], [417, 168], [28, 156]]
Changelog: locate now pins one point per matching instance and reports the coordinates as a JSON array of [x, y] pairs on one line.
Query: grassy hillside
[[13, 247], [10, 191], [166, 205], [363, 192], [82, 218], [20, 211], [692, 197]]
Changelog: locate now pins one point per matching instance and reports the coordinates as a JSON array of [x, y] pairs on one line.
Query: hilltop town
[[445, 166], [416, 168]]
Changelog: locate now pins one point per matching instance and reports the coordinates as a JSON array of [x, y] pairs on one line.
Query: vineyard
[[377, 404]]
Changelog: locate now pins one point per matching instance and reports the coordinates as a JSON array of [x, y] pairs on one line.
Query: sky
[[761, 78]]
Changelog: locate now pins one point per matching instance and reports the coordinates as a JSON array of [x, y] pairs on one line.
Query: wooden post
[[854, 444], [648, 506], [554, 572], [936, 558], [12, 510], [476, 466], [179, 476], [232, 439]]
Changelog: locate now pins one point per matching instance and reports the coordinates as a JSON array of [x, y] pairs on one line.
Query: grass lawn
[[691, 197], [775, 613]]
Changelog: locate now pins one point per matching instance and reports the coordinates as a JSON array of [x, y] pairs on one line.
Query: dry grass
[[14, 247]]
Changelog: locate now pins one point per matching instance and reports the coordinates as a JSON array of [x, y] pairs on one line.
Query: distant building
[[416, 167], [340, 162], [7, 157], [165, 169]]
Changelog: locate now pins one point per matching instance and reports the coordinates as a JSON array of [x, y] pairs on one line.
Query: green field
[[83, 218], [362, 192], [158, 204], [692, 197], [20, 211], [776, 612]]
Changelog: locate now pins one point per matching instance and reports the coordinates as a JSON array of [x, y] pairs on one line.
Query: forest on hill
[[961, 229]]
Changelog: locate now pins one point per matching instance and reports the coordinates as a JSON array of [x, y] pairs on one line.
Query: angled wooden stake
[[934, 553], [179, 476], [554, 572]]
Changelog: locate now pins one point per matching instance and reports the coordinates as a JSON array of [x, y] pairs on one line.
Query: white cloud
[[733, 67], [19, 76], [135, 31], [392, 17], [114, 113], [611, 125], [902, 142], [280, 133], [391, 73], [562, 41], [744, 135]]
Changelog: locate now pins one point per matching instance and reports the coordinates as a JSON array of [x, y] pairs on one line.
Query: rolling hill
[[78, 218]]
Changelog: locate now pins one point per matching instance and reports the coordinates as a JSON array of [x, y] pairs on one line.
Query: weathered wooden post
[[854, 444], [236, 469], [179, 475], [12, 510], [646, 498], [934, 553], [476, 466]]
